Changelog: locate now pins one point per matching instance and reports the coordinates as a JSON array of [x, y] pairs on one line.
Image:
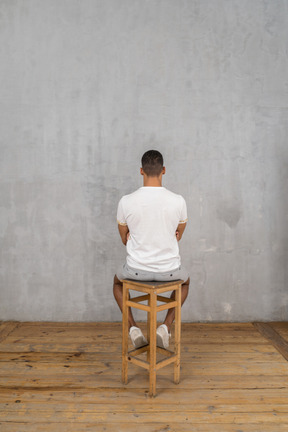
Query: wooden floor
[[67, 377]]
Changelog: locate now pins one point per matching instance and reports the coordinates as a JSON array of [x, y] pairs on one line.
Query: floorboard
[[67, 377]]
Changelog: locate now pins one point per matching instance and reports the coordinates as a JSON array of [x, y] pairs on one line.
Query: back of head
[[152, 163]]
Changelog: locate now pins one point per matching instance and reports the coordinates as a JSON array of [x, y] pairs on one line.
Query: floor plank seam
[[270, 334], [6, 331]]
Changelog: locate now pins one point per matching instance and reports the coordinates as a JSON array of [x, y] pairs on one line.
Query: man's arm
[[124, 233], [180, 230]]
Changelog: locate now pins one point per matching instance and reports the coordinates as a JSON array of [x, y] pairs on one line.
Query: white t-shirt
[[152, 215]]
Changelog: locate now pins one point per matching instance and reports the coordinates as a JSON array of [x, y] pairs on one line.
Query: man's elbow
[[124, 239]]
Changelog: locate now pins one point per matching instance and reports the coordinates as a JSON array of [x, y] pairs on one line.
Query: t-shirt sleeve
[[183, 212], [121, 219]]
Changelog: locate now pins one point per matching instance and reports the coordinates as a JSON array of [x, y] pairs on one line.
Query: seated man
[[151, 221]]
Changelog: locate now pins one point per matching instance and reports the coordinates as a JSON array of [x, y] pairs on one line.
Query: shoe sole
[[139, 342], [161, 342]]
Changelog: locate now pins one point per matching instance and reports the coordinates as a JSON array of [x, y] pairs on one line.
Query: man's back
[[152, 215]]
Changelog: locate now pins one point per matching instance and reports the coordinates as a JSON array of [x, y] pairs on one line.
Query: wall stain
[[229, 212]]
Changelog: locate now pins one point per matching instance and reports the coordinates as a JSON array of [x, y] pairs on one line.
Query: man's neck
[[152, 181]]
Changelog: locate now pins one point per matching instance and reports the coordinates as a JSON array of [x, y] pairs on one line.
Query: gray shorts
[[126, 272]]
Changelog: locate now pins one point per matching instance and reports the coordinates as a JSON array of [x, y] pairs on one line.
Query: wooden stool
[[152, 292]]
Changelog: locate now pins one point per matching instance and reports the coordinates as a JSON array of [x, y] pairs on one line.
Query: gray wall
[[88, 86]]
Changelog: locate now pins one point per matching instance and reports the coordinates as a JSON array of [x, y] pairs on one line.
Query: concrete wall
[[85, 88]]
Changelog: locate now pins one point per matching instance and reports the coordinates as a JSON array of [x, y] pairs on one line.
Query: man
[[151, 222]]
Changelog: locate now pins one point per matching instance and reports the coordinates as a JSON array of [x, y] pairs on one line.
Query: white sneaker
[[163, 336], [137, 338]]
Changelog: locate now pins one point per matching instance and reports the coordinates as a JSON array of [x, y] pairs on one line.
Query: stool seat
[[151, 292]]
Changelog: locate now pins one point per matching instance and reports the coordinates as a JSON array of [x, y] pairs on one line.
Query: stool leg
[[125, 335], [148, 331], [152, 345], [177, 335]]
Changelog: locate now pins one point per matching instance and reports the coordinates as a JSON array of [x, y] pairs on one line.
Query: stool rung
[[138, 306], [169, 305], [165, 362], [164, 299], [165, 351], [139, 362], [138, 351], [140, 298]]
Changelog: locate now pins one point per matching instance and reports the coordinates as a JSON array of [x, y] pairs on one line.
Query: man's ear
[[164, 170], [141, 171]]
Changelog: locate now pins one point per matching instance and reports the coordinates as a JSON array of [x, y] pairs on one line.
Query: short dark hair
[[152, 163]]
